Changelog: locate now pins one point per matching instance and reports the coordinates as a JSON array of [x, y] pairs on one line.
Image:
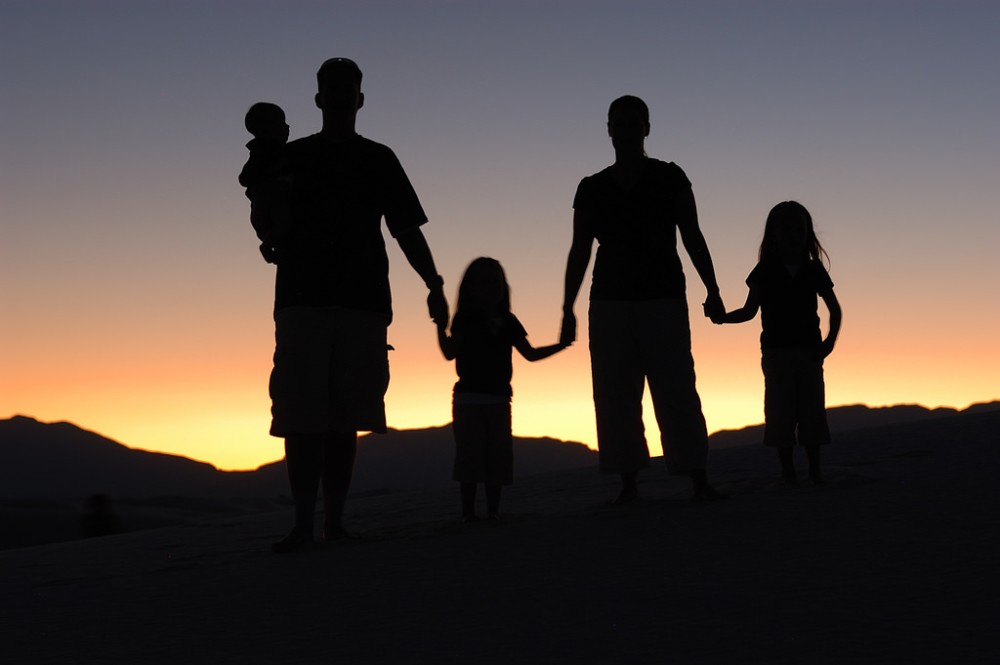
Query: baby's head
[[267, 121]]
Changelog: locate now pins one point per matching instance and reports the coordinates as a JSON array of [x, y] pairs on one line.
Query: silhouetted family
[[317, 205]]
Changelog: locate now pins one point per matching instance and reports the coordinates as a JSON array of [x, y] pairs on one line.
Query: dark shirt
[[788, 305], [636, 231], [334, 253], [483, 354]]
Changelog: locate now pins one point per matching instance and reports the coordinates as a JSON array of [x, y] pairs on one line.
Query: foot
[[790, 478], [469, 519], [337, 532], [297, 539], [629, 491], [707, 493], [626, 495], [816, 477]]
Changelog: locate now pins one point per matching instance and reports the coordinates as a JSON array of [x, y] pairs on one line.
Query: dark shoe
[[295, 540]]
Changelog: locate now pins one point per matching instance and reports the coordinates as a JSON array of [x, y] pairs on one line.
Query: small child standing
[[483, 333], [265, 176], [784, 285]]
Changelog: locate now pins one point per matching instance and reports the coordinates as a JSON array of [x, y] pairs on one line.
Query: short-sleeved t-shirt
[[636, 231], [788, 305], [483, 356], [334, 252]]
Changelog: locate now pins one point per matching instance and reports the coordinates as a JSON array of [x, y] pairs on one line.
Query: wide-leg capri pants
[[632, 343]]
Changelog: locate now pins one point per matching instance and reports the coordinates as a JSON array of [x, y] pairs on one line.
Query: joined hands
[[714, 308]]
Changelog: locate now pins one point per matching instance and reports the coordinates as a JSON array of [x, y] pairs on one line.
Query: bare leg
[[630, 489], [786, 456], [338, 468], [815, 474], [468, 491], [702, 491], [304, 462], [493, 501]]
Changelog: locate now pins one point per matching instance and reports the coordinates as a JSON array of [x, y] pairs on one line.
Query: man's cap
[[338, 67]]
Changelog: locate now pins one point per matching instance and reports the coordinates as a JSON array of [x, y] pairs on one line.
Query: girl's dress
[[794, 391], [481, 408]]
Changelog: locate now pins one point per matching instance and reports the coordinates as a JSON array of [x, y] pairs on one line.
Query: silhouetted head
[[267, 121], [339, 87], [628, 122], [789, 235], [484, 288]]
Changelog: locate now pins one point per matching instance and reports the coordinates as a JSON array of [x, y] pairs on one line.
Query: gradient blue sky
[[134, 301]]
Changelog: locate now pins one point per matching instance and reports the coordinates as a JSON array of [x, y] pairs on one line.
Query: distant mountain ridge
[[45, 461], [857, 417]]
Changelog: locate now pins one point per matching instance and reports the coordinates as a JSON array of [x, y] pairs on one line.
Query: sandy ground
[[894, 560]]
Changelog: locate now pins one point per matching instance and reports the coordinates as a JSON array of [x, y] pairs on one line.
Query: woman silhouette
[[639, 327]]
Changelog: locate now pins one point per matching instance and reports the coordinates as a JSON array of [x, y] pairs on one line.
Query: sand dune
[[893, 561]]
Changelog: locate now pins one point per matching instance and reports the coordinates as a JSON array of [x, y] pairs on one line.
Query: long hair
[[791, 211], [480, 270]]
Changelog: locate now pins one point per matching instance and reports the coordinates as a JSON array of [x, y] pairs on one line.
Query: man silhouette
[[332, 300]]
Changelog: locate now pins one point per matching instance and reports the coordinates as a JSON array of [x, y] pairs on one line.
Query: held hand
[[716, 319], [269, 253], [825, 349], [714, 308], [437, 306], [567, 335]]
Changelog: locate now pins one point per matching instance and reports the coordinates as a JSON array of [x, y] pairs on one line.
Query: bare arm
[[418, 254], [743, 314], [576, 268], [532, 354], [697, 249], [446, 342], [836, 316]]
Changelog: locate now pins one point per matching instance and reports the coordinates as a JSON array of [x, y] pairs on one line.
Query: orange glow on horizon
[[196, 385], [222, 416]]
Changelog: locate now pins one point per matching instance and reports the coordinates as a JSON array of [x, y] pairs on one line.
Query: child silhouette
[[483, 333], [783, 286], [265, 175]]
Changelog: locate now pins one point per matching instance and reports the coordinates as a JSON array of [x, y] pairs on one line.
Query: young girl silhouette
[[784, 285], [483, 332]]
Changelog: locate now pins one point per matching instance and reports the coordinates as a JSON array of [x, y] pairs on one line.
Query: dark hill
[[52, 461], [55, 461], [857, 417], [48, 469], [61, 460]]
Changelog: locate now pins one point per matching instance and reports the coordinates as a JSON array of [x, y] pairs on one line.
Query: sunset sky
[[135, 303]]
